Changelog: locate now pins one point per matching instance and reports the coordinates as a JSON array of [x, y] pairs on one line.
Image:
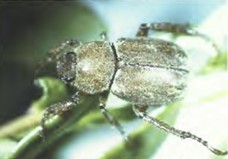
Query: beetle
[[144, 71]]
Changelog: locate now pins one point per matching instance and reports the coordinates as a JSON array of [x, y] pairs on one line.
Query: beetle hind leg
[[178, 29], [141, 113], [174, 28]]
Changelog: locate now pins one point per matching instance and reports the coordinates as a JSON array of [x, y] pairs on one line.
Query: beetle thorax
[[95, 67]]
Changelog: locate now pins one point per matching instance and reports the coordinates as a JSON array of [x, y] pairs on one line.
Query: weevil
[[144, 71]]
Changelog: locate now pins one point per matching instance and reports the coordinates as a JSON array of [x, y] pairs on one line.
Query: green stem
[[32, 144], [20, 124]]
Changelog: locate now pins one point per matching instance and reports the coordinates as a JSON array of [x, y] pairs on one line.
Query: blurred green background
[[28, 31]]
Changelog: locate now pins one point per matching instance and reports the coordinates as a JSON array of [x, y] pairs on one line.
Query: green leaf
[[54, 91]]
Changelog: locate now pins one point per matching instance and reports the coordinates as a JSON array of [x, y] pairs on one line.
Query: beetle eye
[[66, 66]]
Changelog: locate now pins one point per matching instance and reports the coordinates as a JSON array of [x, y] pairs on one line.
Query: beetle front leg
[[141, 113], [175, 28], [58, 109], [110, 118]]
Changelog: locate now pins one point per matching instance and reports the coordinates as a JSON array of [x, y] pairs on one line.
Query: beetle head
[[66, 63]]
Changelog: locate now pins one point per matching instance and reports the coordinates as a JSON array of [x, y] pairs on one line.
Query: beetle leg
[[141, 113], [58, 109], [143, 30], [110, 118], [174, 28]]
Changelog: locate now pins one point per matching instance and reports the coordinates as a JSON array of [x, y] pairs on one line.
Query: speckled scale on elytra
[[150, 71]]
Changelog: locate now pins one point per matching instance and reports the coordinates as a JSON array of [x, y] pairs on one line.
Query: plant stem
[[20, 124], [32, 144]]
